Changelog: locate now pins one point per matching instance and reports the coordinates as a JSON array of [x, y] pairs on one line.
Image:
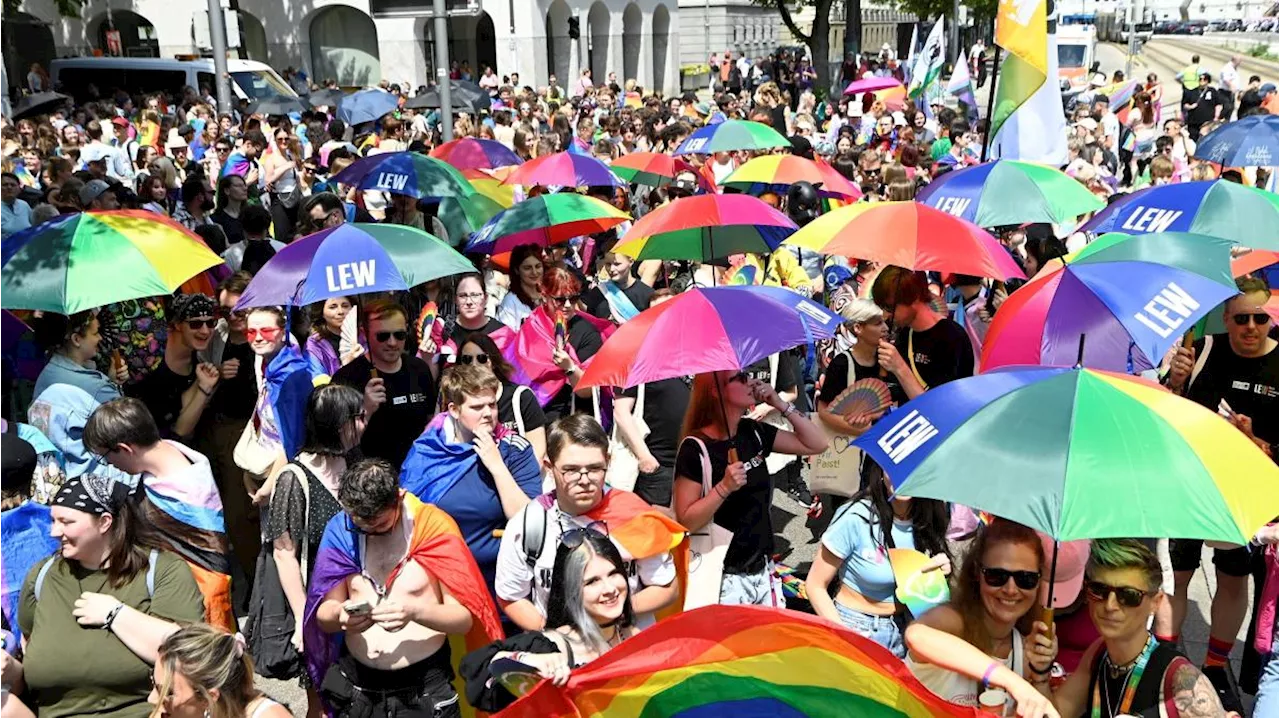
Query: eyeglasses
[[478, 359], [470, 297], [566, 299], [998, 577], [282, 138], [230, 312], [1126, 596], [202, 323], [575, 473], [1259, 318], [223, 150], [573, 538], [741, 376], [384, 337], [268, 334]]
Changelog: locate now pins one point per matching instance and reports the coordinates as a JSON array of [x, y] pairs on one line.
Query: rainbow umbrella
[[730, 136], [91, 259], [545, 220], [907, 234], [490, 186], [564, 169], [1007, 192], [705, 227], [1078, 454], [1251, 142], [650, 168], [1245, 215], [1259, 261], [894, 98], [1133, 296], [470, 153], [352, 259], [780, 171], [409, 173], [702, 330], [747, 661]]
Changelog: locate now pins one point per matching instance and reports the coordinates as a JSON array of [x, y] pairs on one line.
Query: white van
[[144, 75]]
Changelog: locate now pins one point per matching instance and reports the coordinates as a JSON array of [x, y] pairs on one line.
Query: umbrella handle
[[733, 455]]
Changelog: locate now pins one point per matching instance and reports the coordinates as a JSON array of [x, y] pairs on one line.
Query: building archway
[[137, 34], [29, 40], [558, 42], [486, 45], [599, 27], [344, 47], [661, 39], [253, 37], [632, 31]]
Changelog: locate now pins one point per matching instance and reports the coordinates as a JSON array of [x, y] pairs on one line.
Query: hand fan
[[865, 396]]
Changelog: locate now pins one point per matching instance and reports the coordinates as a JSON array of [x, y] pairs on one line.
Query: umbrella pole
[[1080, 354], [1047, 616]]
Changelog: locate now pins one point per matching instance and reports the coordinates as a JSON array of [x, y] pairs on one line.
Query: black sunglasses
[[1259, 318], [383, 337], [478, 359], [741, 376], [573, 538], [565, 299], [998, 577], [199, 323], [1126, 596], [223, 149]]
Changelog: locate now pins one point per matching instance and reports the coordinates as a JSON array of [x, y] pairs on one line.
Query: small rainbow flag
[[745, 275], [740, 661], [561, 330], [918, 590], [427, 321]]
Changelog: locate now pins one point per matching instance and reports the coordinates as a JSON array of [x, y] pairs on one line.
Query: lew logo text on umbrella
[[1151, 219], [392, 181], [1167, 310], [909, 434], [953, 205], [352, 275]]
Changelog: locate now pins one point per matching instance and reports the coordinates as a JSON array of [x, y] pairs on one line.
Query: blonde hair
[[209, 659], [857, 311]]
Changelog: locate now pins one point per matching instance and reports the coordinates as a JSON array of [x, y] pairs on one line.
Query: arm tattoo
[[1193, 694]]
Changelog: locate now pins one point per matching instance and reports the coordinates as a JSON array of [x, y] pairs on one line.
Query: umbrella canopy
[[352, 259], [780, 171], [545, 220], [1251, 142], [910, 235], [458, 101], [650, 168], [1060, 450], [564, 169], [1261, 262], [871, 84], [705, 227], [279, 105], [1132, 296], [894, 98], [1245, 215], [326, 98], [730, 136], [1007, 192], [39, 103], [90, 259], [366, 106], [410, 173], [469, 153], [702, 330], [490, 186]]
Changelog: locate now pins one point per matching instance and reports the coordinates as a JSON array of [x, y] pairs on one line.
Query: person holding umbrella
[[934, 349]]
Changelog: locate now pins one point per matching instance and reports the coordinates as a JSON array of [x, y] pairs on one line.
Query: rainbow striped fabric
[[741, 661]]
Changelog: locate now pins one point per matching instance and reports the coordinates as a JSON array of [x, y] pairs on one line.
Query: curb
[[1251, 65]]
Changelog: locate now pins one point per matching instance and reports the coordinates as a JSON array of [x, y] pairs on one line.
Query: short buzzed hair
[[463, 380], [1120, 554], [368, 489]]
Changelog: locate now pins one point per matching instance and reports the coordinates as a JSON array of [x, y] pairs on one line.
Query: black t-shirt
[[837, 379], [665, 402], [585, 340], [235, 397], [161, 391], [942, 353], [411, 402], [230, 226], [639, 293], [530, 413], [1205, 99], [1249, 100], [788, 372], [746, 511], [457, 332], [1247, 384]]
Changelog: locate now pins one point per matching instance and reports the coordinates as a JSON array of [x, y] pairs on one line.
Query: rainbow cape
[[531, 351], [437, 546], [740, 661]]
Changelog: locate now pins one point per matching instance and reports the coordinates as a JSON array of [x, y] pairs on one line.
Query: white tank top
[[263, 704], [962, 689]]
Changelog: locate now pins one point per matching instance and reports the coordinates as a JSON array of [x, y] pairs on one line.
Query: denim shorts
[[880, 629], [752, 589]]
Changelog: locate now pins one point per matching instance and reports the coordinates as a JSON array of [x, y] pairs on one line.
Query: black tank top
[[1146, 700]]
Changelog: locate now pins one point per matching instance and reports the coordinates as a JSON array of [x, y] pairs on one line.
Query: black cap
[[17, 463], [801, 147]]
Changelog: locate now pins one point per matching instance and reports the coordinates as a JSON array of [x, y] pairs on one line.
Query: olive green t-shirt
[[71, 670]]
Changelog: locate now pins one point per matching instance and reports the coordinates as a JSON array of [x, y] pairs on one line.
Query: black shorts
[[422, 690], [655, 488], [1184, 554]]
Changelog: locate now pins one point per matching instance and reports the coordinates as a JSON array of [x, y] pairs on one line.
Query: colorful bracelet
[[986, 676]]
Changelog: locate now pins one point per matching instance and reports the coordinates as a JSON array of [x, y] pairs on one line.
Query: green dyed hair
[[1117, 554]]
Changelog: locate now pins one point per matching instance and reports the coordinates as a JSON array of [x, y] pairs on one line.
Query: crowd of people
[[154, 488]]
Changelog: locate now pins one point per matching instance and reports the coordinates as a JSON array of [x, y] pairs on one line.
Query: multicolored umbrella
[[908, 234], [490, 186], [1007, 192], [702, 330], [777, 171], [1132, 296], [545, 220], [871, 84], [408, 173], [1251, 142], [730, 136], [705, 227], [564, 169], [894, 98], [650, 168], [90, 259], [470, 153], [352, 259], [1078, 454], [1244, 215], [1260, 261]]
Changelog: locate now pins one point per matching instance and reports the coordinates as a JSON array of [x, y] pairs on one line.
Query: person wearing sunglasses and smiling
[[1239, 381], [399, 391], [973, 643], [518, 408], [561, 290], [180, 387]]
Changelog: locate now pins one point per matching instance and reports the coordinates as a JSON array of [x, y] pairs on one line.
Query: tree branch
[[790, 23]]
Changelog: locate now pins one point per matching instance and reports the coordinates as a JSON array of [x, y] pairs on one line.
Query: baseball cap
[[120, 122], [1068, 574], [1088, 123], [92, 190]]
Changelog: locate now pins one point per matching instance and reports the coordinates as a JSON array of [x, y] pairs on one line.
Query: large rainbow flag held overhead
[[741, 661]]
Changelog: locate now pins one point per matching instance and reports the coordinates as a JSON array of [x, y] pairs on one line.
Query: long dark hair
[[564, 604], [129, 542], [329, 409], [929, 517], [490, 348], [520, 253]]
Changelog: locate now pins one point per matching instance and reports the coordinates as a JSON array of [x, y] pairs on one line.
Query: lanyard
[[1131, 687]]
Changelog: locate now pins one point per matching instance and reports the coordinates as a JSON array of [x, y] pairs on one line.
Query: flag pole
[[991, 101]]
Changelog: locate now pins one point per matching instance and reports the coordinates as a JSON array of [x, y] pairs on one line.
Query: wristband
[[723, 495], [986, 676], [202, 391], [1039, 672], [111, 616]]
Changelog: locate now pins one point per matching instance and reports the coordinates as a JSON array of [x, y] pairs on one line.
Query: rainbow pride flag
[[742, 661]]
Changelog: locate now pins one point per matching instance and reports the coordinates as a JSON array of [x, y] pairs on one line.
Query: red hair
[[559, 282]]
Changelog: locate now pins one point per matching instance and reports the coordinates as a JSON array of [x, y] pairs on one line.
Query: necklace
[[1132, 678]]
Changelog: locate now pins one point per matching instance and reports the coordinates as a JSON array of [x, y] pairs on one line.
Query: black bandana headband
[[92, 493], [190, 306]]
